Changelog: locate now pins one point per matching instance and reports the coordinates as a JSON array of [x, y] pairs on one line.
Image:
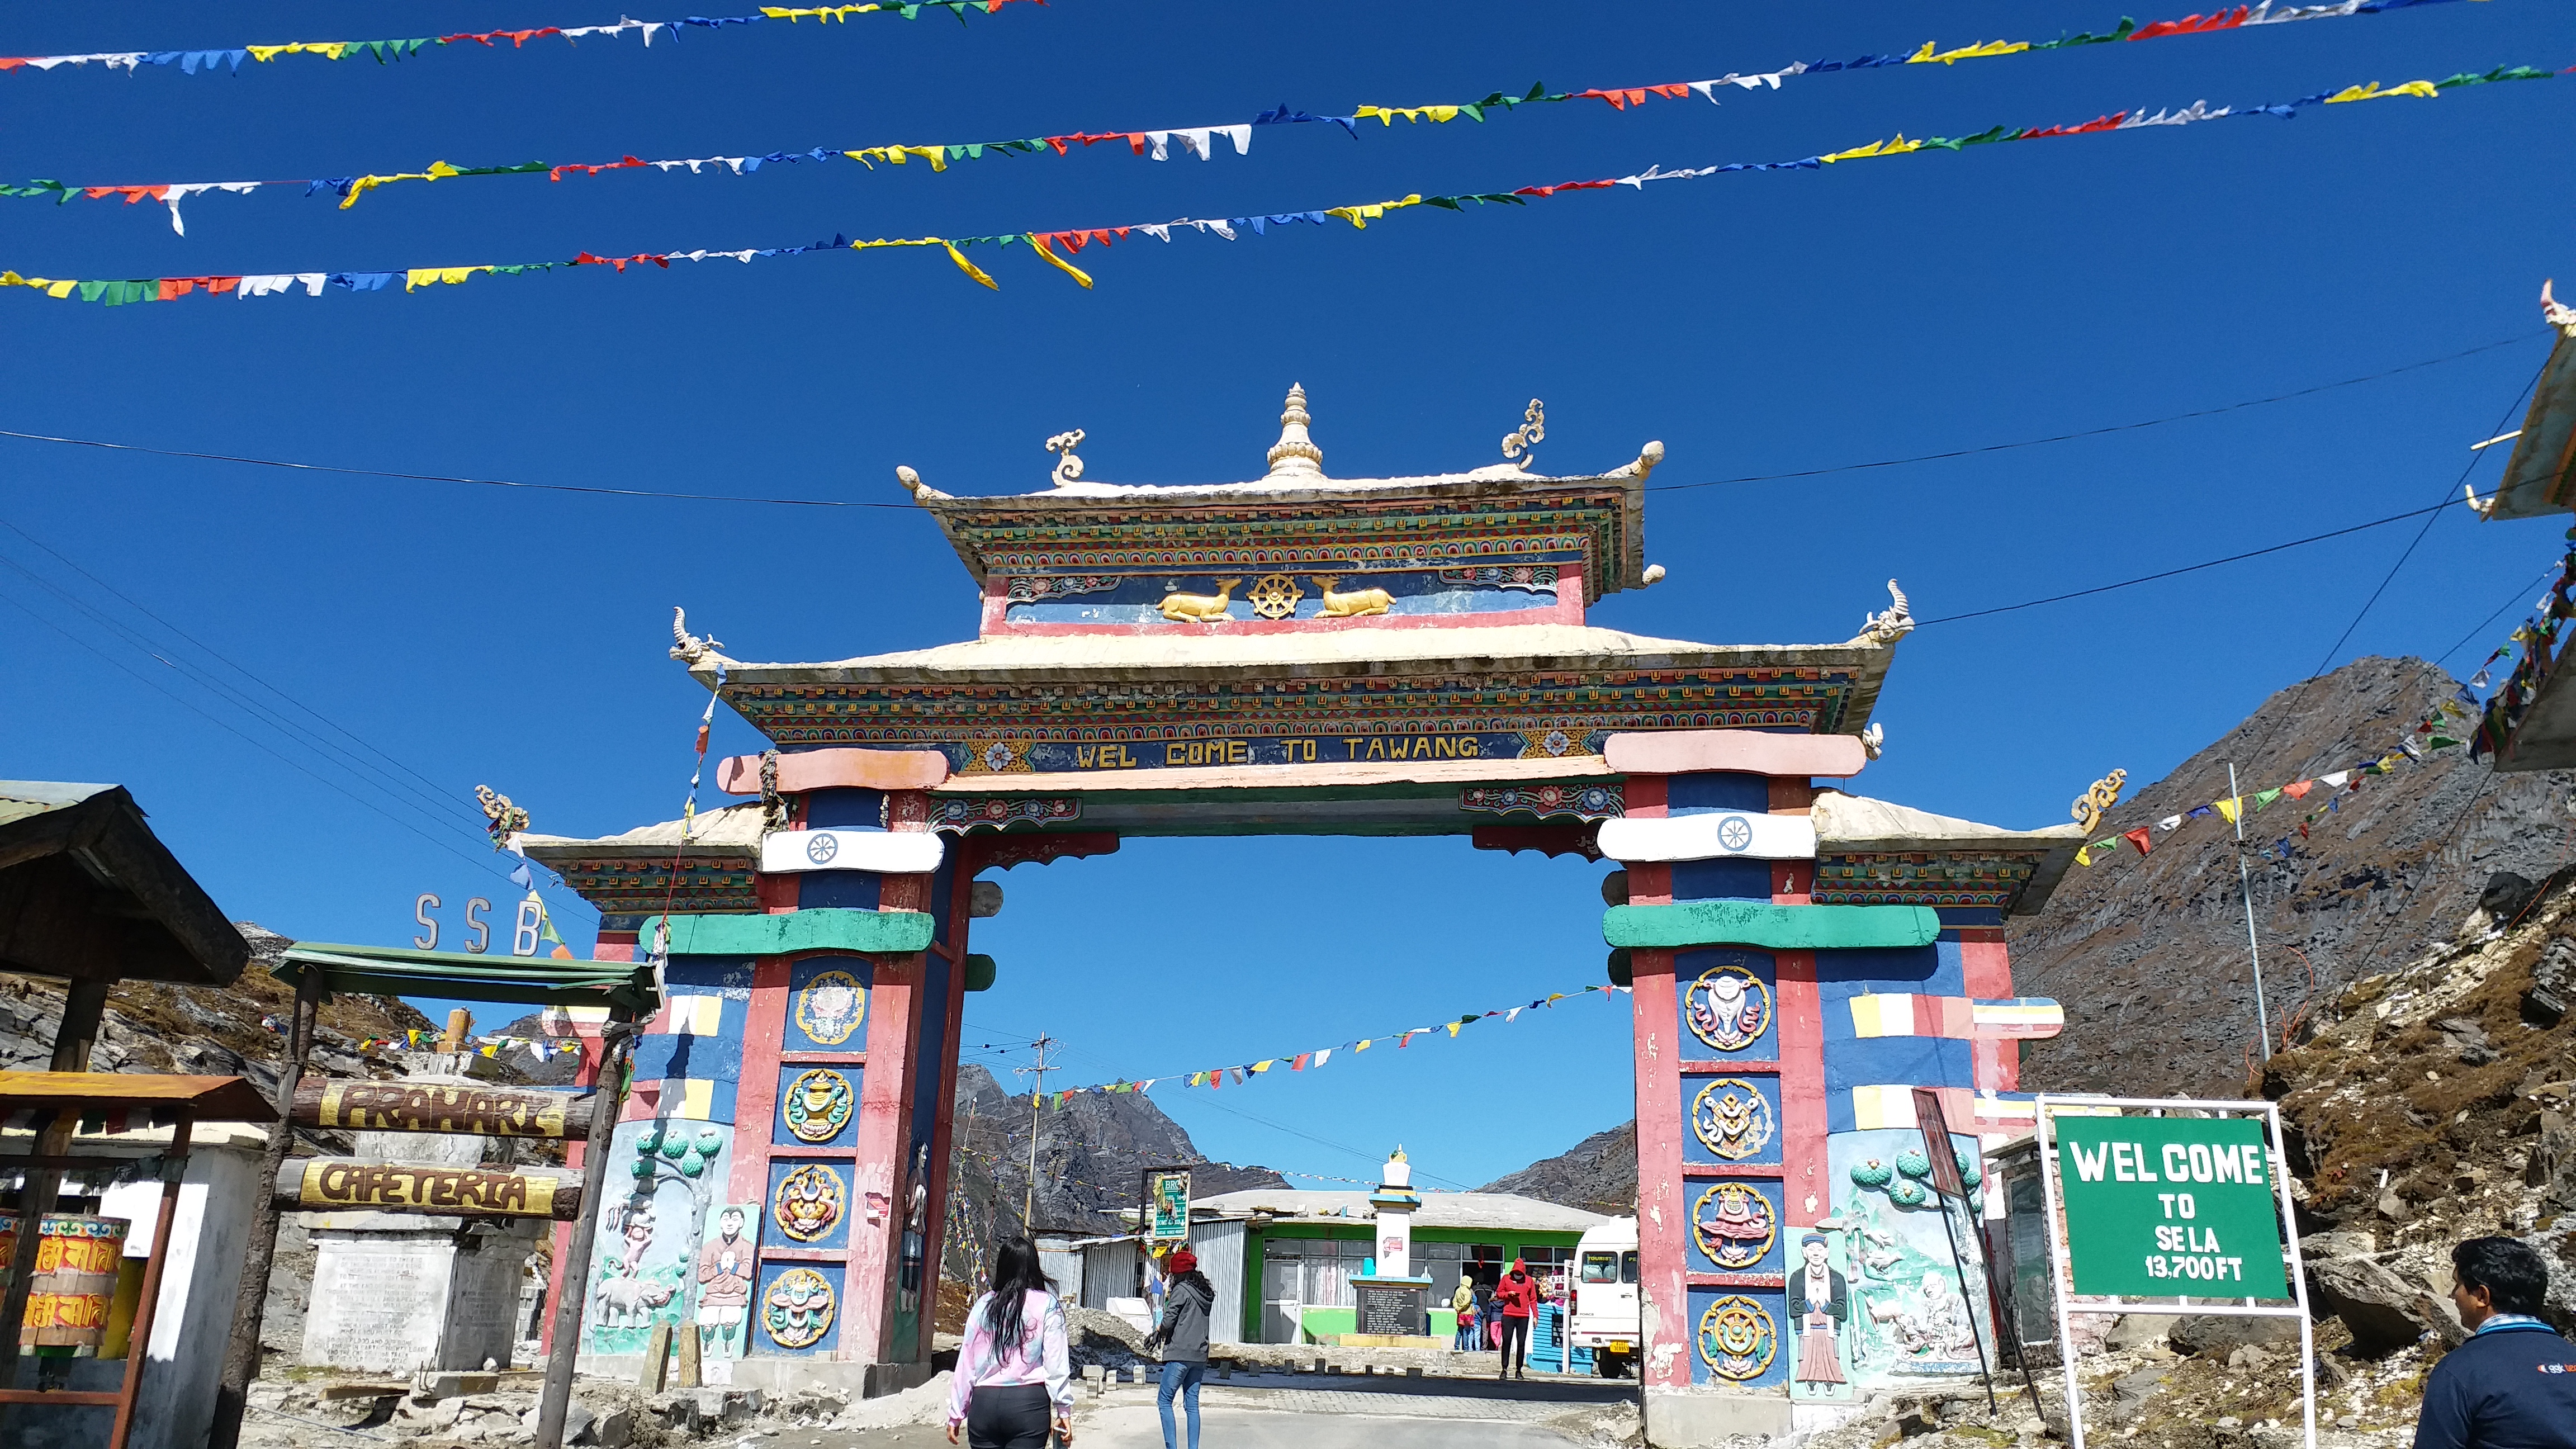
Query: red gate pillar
[[1663, 1205]]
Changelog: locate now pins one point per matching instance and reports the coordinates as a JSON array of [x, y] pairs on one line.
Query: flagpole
[[2245, 883]]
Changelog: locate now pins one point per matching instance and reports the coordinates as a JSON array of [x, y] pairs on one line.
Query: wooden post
[[572, 1289], [138, 1342], [657, 1360], [459, 1022], [250, 1302], [84, 1007], [690, 1371]]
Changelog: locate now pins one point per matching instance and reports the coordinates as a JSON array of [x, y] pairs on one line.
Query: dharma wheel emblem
[[1734, 833], [1274, 597], [822, 847], [1737, 1339]]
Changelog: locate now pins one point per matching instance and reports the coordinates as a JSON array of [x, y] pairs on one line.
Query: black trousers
[[1515, 1344], [1008, 1416]]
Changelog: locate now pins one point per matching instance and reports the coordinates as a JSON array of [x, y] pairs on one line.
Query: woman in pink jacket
[[1014, 1373]]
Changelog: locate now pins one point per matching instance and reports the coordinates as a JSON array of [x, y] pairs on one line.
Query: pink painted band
[[837, 769], [1752, 752]]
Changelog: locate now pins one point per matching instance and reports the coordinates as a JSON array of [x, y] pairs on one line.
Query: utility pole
[[1029, 1201], [2245, 883]]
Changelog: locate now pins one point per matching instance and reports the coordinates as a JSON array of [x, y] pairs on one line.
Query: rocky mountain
[[2149, 955], [1091, 1156], [203, 1031], [1597, 1174]]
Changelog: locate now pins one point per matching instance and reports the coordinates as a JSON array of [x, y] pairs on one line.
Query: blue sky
[[1753, 323]]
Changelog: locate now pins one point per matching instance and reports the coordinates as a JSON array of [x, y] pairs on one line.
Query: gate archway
[[1300, 654]]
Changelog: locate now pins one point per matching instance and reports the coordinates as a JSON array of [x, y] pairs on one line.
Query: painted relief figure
[[1819, 1301], [1931, 1323], [626, 1293], [725, 1264]]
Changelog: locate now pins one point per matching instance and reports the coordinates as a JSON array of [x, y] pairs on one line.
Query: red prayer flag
[[2138, 838], [1299, 1064], [2297, 789]]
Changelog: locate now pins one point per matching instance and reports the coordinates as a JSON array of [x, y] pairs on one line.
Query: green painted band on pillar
[[834, 929], [1769, 926], [980, 972]]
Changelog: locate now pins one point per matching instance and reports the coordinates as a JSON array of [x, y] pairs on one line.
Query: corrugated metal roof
[[20, 799], [1438, 1210]]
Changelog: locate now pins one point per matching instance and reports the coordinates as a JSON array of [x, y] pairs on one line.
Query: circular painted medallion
[[797, 1309], [1275, 597], [831, 1007], [1728, 1007], [1735, 1226], [821, 846], [809, 1201], [1732, 1118], [1734, 834], [1737, 1339], [818, 1105]]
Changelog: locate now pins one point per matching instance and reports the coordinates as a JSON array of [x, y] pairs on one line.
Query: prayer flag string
[[1215, 1078], [2462, 718], [384, 52], [1204, 142], [1056, 246]]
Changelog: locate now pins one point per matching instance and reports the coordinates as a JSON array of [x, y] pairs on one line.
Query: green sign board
[[2159, 1207], [1167, 1204]]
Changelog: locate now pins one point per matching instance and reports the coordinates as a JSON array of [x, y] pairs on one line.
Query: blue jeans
[[1182, 1379]]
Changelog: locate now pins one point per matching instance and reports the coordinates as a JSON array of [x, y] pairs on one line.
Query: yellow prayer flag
[[1968, 52], [969, 268], [2372, 92], [1363, 1046], [1060, 264], [1895, 147], [1361, 216], [2231, 807], [1263, 1065]]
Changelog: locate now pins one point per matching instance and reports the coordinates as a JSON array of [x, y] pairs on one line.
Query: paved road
[[1135, 1426]]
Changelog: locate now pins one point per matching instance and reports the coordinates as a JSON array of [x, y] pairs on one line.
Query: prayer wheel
[[77, 1261]]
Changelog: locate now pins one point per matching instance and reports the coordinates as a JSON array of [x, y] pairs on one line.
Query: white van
[[1605, 1297]]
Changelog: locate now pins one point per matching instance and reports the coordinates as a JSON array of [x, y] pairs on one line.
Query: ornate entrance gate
[[1300, 654]]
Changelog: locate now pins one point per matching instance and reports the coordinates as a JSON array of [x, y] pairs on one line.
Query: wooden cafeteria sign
[[440, 1107], [318, 1184]]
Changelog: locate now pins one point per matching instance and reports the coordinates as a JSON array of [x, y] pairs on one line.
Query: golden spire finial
[[1295, 455]]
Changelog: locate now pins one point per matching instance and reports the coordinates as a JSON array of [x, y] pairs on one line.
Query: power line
[[439, 790], [2489, 621], [441, 477], [2088, 432], [849, 503], [2187, 568], [298, 766], [2337, 646]]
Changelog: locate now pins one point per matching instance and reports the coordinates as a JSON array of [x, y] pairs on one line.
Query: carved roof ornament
[[1295, 458], [1068, 467], [2104, 794], [2556, 313], [1889, 624], [1519, 444], [686, 646]]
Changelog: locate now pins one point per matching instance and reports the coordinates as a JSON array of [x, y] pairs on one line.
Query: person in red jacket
[[1518, 1295]]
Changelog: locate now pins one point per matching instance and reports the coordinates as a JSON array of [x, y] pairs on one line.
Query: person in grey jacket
[[1183, 1333]]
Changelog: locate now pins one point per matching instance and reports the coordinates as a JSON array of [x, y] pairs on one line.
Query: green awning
[[522, 980]]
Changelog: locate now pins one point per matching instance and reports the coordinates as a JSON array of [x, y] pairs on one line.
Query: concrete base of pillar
[[1695, 1418], [782, 1375]]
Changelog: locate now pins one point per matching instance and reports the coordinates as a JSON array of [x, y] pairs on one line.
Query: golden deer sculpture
[[1200, 608], [1352, 604]]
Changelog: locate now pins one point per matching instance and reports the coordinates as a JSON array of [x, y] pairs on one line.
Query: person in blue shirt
[[2513, 1384]]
